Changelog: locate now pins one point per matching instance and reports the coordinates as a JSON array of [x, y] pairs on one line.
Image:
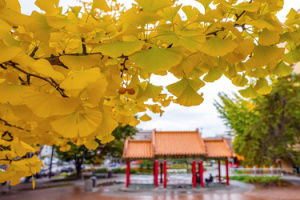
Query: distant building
[[142, 135]]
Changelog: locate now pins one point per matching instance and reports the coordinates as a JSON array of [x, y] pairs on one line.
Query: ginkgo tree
[[73, 76]]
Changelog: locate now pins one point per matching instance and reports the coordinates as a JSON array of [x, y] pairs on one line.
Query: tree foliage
[[93, 152], [266, 128], [72, 76]]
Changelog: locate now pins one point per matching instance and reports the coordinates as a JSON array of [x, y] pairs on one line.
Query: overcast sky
[[204, 117]]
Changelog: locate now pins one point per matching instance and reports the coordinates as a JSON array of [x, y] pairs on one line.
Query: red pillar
[[156, 174], [194, 173], [161, 173], [219, 167], [127, 173], [201, 173], [165, 174], [227, 175]]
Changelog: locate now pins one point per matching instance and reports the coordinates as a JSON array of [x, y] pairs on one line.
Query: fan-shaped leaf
[[77, 124], [157, 59], [119, 48], [218, 47]]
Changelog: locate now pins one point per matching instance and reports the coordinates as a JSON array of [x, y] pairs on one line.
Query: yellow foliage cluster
[[74, 76]]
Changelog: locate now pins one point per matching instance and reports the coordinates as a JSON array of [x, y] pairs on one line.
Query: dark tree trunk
[[51, 158], [78, 169]]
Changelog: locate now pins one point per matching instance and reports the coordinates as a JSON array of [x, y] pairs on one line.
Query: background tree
[[266, 128], [72, 75], [81, 154]]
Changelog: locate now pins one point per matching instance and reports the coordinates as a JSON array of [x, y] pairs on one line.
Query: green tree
[[266, 128], [81, 154]]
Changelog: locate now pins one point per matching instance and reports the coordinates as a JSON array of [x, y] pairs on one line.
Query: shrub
[[123, 171], [101, 170], [256, 179]]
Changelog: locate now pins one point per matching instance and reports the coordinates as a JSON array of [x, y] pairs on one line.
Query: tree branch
[[51, 81], [34, 51], [83, 46], [10, 125]]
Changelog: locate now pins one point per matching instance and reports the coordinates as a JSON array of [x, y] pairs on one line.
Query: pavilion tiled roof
[[138, 149], [217, 148], [178, 143]]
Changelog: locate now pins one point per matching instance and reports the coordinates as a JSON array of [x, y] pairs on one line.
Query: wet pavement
[[74, 190]]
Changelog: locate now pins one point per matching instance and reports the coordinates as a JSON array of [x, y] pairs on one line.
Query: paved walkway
[[236, 191]]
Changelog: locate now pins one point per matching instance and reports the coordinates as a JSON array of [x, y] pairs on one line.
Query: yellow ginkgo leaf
[[265, 90], [240, 80], [267, 37], [24, 113], [40, 27], [189, 97], [157, 59], [45, 105], [58, 22], [44, 68], [214, 74], [205, 3], [186, 91], [152, 91], [76, 9], [12, 93], [258, 73], [49, 6], [4, 26], [141, 18], [218, 47], [14, 17], [190, 12], [107, 139], [260, 83], [145, 118], [292, 57], [119, 48], [193, 43], [154, 5], [91, 144], [96, 90], [134, 122], [250, 7], [79, 123], [14, 5], [249, 92], [80, 62], [282, 70], [8, 53], [78, 80], [264, 55], [106, 127], [186, 66], [169, 13], [100, 4]]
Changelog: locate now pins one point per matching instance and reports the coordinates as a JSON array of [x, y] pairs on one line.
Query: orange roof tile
[[138, 149], [217, 148], [178, 143]]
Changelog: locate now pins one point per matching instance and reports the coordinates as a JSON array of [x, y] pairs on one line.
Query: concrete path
[[46, 190]]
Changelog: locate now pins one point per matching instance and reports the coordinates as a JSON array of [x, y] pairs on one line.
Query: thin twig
[[14, 126], [34, 51], [51, 81]]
